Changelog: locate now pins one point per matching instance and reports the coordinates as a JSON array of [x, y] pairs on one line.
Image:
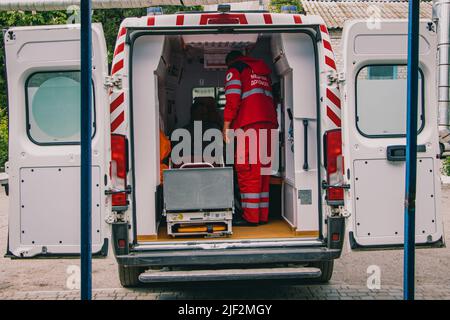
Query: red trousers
[[253, 171]]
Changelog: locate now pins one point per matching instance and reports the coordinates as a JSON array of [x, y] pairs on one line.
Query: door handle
[[305, 145], [110, 192], [398, 153], [344, 186]]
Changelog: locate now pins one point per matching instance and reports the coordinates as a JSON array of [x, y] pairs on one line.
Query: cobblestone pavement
[[311, 292], [47, 278]]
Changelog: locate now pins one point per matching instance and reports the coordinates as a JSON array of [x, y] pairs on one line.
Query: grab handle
[[196, 165], [305, 144]]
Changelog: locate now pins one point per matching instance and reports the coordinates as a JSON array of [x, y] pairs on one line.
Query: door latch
[[325, 186], [112, 191], [335, 78]]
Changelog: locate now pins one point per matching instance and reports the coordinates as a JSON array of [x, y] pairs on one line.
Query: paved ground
[[239, 292], [47, 279]]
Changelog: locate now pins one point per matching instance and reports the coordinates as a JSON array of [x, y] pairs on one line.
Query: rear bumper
[[227, 256]]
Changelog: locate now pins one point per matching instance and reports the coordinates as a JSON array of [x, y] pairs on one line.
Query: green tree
[[3, 139], [110, 20], [275, 5], [447, 166]]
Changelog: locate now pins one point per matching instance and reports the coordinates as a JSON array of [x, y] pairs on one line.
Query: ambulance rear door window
[[53, 104], [381, 101]]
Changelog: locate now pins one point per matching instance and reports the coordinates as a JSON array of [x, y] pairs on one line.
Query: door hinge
[[346, 213], [115, 216], [335, 78], [113, 82], [10, 36], [325, 186]]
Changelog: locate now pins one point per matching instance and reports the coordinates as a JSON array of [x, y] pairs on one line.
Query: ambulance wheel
[[129, 276], [326, 267]]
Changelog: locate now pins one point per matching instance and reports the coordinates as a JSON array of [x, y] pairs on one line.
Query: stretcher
[[198, 200]]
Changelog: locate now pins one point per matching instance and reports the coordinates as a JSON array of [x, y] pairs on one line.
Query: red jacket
[[248, 93]]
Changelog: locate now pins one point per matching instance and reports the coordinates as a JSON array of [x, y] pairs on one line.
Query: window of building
[[382, 72]]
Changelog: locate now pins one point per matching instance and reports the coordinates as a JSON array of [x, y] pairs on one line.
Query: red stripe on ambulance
[[180, 20], [117, 102], [327, 45], [119, 48], [117, 121], [122, 32], [151, 21], [330, 62], [333, 117], [117, 66], [268, 18], [333, 98], [297, 19]]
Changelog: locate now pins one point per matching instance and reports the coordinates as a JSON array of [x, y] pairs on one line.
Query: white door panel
[[385, 221], [374, 118], [43, 76], [38, 222]]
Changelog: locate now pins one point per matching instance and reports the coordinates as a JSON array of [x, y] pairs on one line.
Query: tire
[[129, 276], [326, 267]]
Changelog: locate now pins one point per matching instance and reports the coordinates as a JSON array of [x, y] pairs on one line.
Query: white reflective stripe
[[264, 205], [250, 205], [233, 82], [268, 93], [253, 91], [264, 194], [250, 195], [233, 91], [256, 91]]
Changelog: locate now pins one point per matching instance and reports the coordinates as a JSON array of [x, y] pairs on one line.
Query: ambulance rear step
[[159, 276]]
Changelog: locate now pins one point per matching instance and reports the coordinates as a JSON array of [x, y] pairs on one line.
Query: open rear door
[[374, 126], [43, 73]]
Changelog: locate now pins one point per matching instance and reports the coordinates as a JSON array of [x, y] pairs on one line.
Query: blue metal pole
[[411, 149], [86, 161]]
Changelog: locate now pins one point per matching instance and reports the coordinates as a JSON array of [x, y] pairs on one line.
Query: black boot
[[239, 221]]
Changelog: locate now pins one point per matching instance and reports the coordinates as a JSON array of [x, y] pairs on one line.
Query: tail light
[[334, 166], [121, 243], [119, 168], [223, 18]]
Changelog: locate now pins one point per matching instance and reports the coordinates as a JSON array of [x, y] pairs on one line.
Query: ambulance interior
[[192, 66]]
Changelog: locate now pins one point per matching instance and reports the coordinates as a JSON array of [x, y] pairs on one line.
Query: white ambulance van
[[342, 142]]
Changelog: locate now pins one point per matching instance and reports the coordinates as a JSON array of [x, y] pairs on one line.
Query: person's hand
[[226, 138], [226, 127]]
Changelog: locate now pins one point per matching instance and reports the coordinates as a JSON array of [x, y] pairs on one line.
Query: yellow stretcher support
[[203, 228]]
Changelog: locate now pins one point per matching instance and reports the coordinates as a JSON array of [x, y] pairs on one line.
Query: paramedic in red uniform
[[250, 106]]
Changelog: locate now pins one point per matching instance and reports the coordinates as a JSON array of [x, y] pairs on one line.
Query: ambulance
[[342, 142]]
